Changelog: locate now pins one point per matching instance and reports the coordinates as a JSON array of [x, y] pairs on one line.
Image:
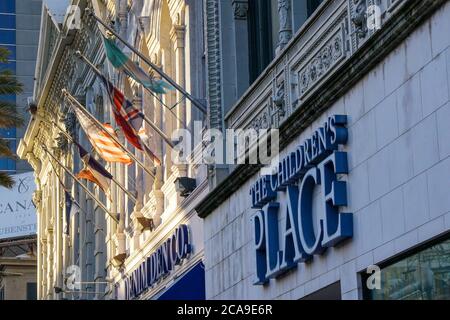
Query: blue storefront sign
[[317, 162], [159, 264]]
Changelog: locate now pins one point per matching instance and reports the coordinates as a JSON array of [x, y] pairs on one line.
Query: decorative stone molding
[[359, 17], [318, 66], [293, 77], [35, 163], [407, 17], [120, 253], [262, 121], [285, 16], [37, 197], [240, 9], [177, 35], [214, 64], [154, 207], [278, 107], [62, 144]]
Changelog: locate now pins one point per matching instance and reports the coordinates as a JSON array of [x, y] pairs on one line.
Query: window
[[332, 292], [7, 36], [424, 275], [7, 133], [7, 21], [262, 37], [11, 66], [7, 6], [2, 293], [8, 97], [31, 291], [313, 5], [264, 26], [7, 164]]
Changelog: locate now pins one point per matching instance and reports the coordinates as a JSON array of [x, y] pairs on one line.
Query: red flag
[[128, 118]]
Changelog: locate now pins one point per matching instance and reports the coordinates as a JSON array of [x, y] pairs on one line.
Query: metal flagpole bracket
[[88, 192], [100, 126]]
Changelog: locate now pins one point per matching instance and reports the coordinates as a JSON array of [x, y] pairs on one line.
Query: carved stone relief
[[240, 8], [327, 57]]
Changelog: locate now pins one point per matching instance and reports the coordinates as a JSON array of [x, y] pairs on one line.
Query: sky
[[57, 8]]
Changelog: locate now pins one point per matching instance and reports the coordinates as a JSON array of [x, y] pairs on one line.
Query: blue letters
[[316, 163]]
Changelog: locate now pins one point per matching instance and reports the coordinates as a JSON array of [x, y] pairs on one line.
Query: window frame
[[398, 258]]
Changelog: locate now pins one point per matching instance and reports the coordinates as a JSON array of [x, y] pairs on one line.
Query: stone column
[[156, 197], [82, 237], [122, 15], [49, 261], [42, 271], [285, 33]]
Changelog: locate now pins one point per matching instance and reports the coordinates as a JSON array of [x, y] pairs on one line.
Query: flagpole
[[154, 126], [99, 125], [194, 101], [90, 64], [130, 195], [82, 185]]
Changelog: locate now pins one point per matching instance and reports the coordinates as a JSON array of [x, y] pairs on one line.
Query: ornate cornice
[[403, 22]]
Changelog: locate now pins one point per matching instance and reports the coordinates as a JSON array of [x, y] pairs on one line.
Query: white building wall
[[399, 161]]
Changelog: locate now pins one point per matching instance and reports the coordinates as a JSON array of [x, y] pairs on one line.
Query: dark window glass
[[11, 66], [8, 133], [7, 21], [2, 293], [8, 98], [7, 37], [7, 6], [12, 50], [313, 5], [261, 48], [424, 275], [7, 164], [31, 291]]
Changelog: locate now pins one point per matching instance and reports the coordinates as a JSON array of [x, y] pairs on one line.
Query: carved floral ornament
[[324, 60], [240, 9], [359, 17]]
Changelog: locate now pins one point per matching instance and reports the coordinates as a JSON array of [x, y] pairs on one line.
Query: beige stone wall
[[16, 286]]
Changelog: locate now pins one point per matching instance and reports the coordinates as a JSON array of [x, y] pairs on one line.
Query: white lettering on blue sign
[[317, 162], [160, 263]]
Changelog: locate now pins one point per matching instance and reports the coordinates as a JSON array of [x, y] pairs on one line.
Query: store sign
[[316, 163], [159, 265], [17, 211]]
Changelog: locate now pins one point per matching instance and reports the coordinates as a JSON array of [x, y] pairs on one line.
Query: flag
[[71, 209], [128, 118], [123, 63], [102, 142], [93, 171]]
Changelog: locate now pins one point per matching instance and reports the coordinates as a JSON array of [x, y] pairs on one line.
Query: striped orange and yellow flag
[[108, 149], [102, 142]]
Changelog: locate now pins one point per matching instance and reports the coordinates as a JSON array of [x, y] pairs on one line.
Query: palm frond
[[5, 151], [9, 117], [9, 83], [4, 53], [6, 180]]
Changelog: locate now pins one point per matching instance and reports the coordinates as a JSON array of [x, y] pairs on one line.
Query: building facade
[[19, 33], [356, 206], [99, 257]]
